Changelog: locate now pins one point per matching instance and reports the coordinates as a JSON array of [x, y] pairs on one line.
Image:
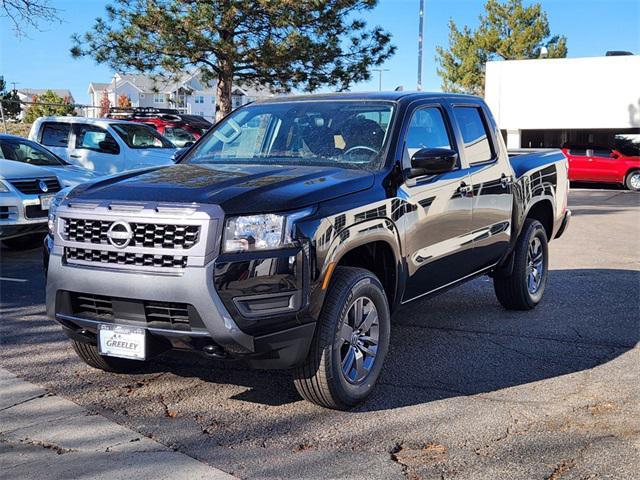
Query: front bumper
[[215, 333], [14, 221]]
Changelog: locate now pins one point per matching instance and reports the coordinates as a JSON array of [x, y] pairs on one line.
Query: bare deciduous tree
[[25, 14]]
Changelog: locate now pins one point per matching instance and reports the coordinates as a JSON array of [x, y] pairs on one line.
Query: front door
[[438, 234], [579, 165], [95, 149]]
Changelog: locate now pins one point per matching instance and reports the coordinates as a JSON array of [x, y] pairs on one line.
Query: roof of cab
[[85, 120], [381, 96]]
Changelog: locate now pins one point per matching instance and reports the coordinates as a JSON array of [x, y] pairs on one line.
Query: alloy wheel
[[535, 265], [634, 181], [359, 336]]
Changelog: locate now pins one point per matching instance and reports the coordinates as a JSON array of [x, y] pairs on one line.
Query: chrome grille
[[124, 258], [149, 235], [31, 186]]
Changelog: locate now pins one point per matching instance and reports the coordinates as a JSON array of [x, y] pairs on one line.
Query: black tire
[[321, 379], [26, 242], [513, 291], [89, 354], [632, 178]]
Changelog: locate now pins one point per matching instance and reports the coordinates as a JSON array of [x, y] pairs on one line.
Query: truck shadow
[[460, 343], [464, 343]]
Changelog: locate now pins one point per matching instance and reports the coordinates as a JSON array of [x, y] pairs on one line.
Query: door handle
[[74, 156], [465, 189]]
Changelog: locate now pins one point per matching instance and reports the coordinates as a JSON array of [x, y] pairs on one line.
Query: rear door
[[438, 234], [95, 149], [579, 165], [56, 136], [491, 177]]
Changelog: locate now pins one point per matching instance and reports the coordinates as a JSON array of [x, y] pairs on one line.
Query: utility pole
[[380, 70], [420, 35]]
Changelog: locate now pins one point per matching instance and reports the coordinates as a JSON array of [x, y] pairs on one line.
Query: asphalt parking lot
[[469, 390]]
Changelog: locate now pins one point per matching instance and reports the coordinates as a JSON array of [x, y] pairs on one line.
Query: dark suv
[[291, 231]]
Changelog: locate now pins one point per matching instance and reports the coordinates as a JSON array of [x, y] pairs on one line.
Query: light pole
[[420, 34], [380, 70]]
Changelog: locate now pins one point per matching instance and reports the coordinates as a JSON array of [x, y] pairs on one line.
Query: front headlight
[[55, 203], [259, 232]]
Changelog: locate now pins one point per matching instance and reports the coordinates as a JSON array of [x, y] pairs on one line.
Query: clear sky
[[591, 26]]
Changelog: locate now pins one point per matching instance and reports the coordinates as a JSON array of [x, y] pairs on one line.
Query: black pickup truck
[[289, 234]]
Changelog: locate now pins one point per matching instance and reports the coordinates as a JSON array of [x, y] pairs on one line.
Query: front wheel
[[90, 355], [632, 182], [524, 287], [350, 343]]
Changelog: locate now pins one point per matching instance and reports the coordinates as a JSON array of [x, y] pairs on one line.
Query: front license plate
[[122, 341], [45, 201]]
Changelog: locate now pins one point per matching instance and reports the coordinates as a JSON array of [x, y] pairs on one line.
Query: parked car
[[290, 233], [182, 130], [22, 150], [603, 165], [103, 145], [26, 191]]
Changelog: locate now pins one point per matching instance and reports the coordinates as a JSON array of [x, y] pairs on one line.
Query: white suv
[[103, 145]]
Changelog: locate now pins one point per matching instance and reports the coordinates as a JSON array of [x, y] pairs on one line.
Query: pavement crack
[[47, 445], [24, 401]]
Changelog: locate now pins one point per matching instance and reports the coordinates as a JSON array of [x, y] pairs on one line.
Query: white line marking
[[19, 280]]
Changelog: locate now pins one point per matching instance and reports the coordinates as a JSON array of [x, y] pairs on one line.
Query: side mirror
[[431, 161], [109, 147], [187, 144], [615, 155], [179, 154], [589, 152]]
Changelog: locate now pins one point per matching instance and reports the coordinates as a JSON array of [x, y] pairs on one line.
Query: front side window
[[603, 153], [427, 129], [477, 147], [140, 136], [91, 137], [348, 134], [179, 136], [29, 152], [55, 134]]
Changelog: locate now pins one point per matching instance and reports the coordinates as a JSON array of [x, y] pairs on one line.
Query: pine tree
[[279, 44], [508, 30]]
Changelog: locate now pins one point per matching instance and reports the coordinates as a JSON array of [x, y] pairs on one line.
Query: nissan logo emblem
[[43, 186], [119, 234]]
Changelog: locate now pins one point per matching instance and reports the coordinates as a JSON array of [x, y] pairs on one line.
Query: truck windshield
[[349, 134], [141, 136]]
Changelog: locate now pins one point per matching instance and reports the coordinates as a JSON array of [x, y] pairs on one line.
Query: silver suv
[[26, 191]]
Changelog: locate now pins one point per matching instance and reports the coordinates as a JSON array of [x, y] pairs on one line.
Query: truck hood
[[237, 189]]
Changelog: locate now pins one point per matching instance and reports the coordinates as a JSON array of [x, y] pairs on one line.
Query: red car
[[603, 165], [181, 130]]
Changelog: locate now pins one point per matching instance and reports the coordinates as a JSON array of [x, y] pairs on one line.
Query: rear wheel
[[524, 287], [632, 182], [90, 355], [351, 341]]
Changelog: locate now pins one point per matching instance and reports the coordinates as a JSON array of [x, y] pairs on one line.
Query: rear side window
[[55, 134], [426, 130], [581, 152], [477, 146]]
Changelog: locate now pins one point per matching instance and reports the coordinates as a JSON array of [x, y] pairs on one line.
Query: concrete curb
[[45, 436]]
